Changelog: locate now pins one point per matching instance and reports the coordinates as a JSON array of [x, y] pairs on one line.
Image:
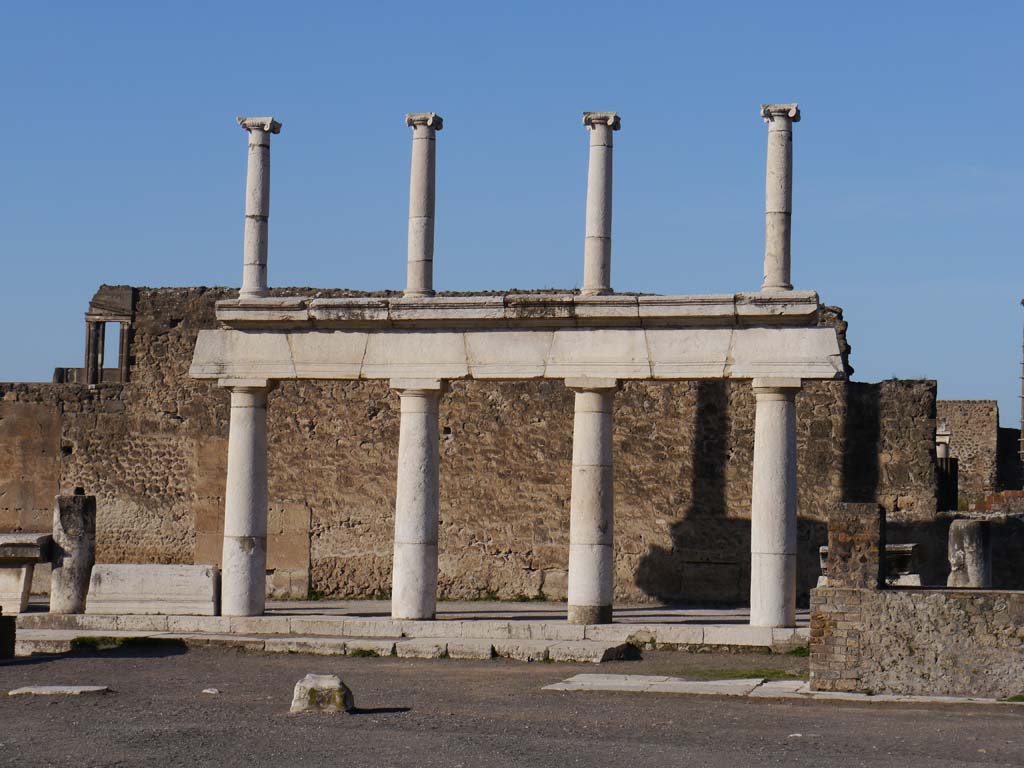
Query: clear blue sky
[[122, 163]]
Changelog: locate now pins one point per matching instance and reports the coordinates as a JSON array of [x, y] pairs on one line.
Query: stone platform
[[532, 631]]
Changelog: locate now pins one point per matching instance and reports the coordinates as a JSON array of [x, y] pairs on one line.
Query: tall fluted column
[[773, 505], [591, 508], [244, 566], [778, 209], [420, 271], [597, 249], [257, 205], [414, 571]]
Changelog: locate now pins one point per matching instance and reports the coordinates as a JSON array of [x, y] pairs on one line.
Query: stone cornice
[[429, 119], [268, 124], [592, 119], [522, 310], [770, 111]]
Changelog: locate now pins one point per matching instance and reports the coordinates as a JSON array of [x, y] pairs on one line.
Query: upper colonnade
[[592, 340]]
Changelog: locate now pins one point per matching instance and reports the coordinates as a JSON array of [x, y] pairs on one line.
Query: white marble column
[[591, 509], [597, 249], [414, 572], [773, 505], [420, 270], [778, 209], [244, 564], [257, 205]]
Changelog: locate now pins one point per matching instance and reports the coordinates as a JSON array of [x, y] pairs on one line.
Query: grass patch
[[801, 653], [363, 653], [740, 674], [1019, 698]]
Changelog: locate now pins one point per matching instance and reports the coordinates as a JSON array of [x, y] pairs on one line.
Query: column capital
[[586, 384], [266, 124], [770, 111], [776, 385], [429, 119], [246, 385], [418, 385], [593, 119]]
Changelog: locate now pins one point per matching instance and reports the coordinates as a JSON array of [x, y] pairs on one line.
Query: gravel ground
[[461, 713]]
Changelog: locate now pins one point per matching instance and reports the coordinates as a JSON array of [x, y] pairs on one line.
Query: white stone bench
[[19, 553], [154, 589]]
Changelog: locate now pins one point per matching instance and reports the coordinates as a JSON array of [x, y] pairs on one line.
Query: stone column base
[[589, 614]]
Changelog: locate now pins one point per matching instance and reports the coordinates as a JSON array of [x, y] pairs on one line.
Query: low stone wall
[[907, 641]]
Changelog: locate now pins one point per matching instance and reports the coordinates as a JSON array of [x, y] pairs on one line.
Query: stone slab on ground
[[422, 648], [588, 651], [749, 687], [469, 648], [317, 646], [149, 589], [59, 690]]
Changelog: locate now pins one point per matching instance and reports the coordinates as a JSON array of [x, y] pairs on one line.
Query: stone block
[[322, 693], [155, 589], [421, 648], [209, 518], [15, 585], [288, 550], [737, 635], [587, 651], [186, 624], [522, 650], [209, 548], [462, 648], [317, 646], [446, 629], [328, 626], [357, 646], [260, 625], [59, 690]]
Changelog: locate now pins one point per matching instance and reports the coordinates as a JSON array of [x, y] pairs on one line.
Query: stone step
[[681, 636], [66, 640]]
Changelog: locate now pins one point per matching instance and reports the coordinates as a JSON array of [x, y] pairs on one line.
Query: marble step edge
[[641, 635], [66, 641]]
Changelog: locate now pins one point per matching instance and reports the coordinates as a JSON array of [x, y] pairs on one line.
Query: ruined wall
[[974, 425], [154, 453]]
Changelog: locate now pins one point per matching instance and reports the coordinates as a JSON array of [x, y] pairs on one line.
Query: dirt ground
[[462, 713]]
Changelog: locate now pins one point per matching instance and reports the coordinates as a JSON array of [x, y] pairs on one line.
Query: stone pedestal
[[773, 505], [244, 563], [591, 514], [420, 272], [74, 552], [597, 254], [778, 211], [970, 554], [414, 575], [257, 205]]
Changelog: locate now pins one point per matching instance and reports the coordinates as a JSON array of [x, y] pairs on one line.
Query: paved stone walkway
[[755, 687]]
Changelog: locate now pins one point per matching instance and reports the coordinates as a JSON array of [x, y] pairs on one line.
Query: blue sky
[[122, 163]]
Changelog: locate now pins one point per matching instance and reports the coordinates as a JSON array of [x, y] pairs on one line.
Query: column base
[[589, 614]]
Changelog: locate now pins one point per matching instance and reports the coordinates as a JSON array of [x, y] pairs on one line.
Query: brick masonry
[[154, 452]]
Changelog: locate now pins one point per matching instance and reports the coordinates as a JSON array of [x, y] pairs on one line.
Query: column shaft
[[257, 205], [420, 268], [414, 574], [778, 195], [123, 352], [243, 580], [591, 512], [773, 509], [597, 250], [92, 343]]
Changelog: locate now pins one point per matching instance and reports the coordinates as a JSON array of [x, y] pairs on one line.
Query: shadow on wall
[[709, 561]]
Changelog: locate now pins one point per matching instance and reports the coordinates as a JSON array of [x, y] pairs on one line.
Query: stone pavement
[[472, 630], [755, 687]]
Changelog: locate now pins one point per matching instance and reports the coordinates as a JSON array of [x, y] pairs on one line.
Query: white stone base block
[[154, 589]]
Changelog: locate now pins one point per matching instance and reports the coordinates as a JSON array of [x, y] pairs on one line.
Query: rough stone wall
[[918, 642], [974, 425], [907, 641], [154, 453]]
